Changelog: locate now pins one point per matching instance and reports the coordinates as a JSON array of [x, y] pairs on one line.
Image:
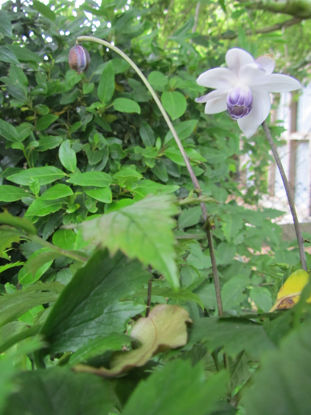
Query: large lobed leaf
[[178, 389], [164, 328], [60, 391], [282, 384], [89, 307], [142, 230]]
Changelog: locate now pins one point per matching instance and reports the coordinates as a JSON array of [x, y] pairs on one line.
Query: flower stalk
[[182, 151], [288, 192]]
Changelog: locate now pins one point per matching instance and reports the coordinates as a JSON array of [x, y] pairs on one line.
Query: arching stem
[[181, 149], [288, 192]]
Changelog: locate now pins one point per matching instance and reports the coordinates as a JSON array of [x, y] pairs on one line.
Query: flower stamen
[[239, 102]]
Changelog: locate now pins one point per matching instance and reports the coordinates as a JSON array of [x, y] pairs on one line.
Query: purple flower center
[[239, 102]]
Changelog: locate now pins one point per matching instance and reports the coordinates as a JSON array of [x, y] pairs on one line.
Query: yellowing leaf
[[164, 328], [290, 291]]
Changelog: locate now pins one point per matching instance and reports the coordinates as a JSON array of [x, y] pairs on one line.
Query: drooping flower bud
[[239, 102], [79, 58]]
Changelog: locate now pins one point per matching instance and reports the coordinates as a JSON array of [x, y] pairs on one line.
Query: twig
[[181, 149], [149, 297], [288, 192]]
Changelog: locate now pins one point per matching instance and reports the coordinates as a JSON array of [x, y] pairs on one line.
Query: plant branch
[[267, 29], [180, 147], [288, 192]]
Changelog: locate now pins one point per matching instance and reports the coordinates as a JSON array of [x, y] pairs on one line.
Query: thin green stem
[[180, 147], [288, 192]]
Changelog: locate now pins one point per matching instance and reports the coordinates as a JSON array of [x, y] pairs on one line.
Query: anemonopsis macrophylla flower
[[79, 58], [243, 88]]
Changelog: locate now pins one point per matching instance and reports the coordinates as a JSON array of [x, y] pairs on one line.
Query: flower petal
[[266, 63], [219, 78], [259, 112], [216, 101], [236, 58], [276, 83]]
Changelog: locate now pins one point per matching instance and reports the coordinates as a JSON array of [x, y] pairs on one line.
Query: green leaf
[[90, 178], [59, 390], [142, 230], [14, 305], [126, 105], [68, 239], [164, 328], [105, 88], [189, 217], [8, 131], [7, 55], [90, 307], [49, 142], [5, 24], [95, 347], [20, 223], [184, 130], [103, 195], [11, 193], [127, 176], [57, 191], [232, 291], [36, 265], [24, 54], [177, 389], [67, 156], [44, 175], [44, 10], [175, 103], [233, 334], [158, 80], [262, 298], [283, 378], [45, 121], [41, 207]]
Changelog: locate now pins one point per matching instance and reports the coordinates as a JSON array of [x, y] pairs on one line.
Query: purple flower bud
[[79, 58], [239, 102]]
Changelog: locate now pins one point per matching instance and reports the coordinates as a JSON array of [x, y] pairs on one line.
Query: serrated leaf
[[175, 103], [90, 178], [10, 193], [164, 328], [14, 305], [232, 334], [44, 175], [42, 391], [178, 389], [126, 105], [89, 307], [283, 378], [67, 156], [105, 88], [142, 230]]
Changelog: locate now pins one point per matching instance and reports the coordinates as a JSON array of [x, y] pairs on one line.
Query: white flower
[[243, 88]]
